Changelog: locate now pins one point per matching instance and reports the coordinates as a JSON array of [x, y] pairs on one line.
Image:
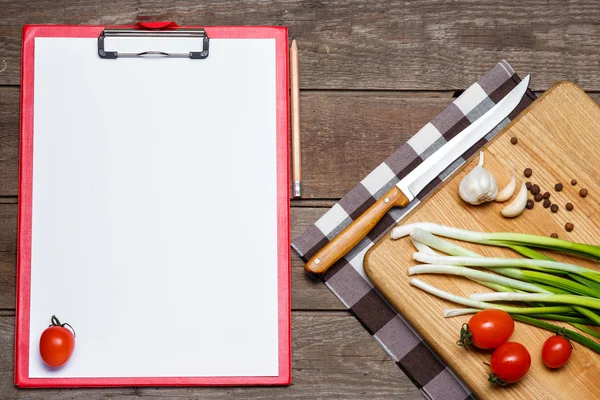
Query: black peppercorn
[[546, 203], [529, 204]]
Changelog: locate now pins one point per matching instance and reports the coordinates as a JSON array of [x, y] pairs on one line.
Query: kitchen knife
[[412, 184]]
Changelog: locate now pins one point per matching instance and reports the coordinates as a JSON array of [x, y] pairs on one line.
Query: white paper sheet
[[154, 210]]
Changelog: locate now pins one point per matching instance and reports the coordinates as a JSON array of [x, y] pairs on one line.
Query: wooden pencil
[[295, 88]]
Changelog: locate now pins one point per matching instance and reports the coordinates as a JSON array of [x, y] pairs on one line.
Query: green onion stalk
[[542, 282], [501, 239]]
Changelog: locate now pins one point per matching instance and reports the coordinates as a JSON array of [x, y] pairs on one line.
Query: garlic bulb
[[479, 186]]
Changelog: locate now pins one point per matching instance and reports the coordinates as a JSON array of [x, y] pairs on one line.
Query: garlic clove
[[518, 204], [508, 190]]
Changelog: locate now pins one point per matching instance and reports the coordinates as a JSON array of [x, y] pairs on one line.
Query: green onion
[[536, 282], [455, 312], [422, 236], [501, 239], [539, 297], [483, 305], [494, 286], [564, 283], [475, 274], [576, 337], [587, 282], [586, 329], [545, 280], [422, 247], [493, 262]]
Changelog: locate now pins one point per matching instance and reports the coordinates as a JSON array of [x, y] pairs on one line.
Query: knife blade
[[412, 184]]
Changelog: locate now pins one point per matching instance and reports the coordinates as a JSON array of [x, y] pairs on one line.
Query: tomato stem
[[562, 332], [466, 337], [65, 324], [493, 379], [56, 322]]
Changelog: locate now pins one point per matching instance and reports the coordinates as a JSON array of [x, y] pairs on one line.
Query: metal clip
[[134, 33]]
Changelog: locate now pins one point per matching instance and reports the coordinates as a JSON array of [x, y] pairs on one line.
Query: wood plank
[[9, 139], [8, 250], [381, 44], [558, 136], [307, 294], [345, 135], [336, 128], [333, 357]]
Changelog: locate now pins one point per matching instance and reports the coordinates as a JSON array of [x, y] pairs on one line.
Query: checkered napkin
[[347, 279]]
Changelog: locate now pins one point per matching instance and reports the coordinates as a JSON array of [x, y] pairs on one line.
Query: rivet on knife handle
[[355, 232]]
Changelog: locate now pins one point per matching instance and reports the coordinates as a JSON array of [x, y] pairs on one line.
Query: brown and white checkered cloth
[[347, 279]]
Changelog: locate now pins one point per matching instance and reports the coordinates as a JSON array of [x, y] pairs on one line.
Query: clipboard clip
[[192, 37]]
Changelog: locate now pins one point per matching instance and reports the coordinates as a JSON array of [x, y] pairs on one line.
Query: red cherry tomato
[[556, 351], [510, 362], [57, 343], [487, 329]]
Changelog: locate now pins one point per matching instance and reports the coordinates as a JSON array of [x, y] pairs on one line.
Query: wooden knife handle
[[355, 232]]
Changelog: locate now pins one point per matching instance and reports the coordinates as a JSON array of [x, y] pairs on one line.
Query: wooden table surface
[[372, 74]]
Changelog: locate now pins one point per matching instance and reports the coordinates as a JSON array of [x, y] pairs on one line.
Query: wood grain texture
[[380, 44], [333, 357], [558, 139], [9, 140]]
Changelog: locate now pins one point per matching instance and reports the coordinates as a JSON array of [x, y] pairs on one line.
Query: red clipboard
[[22, 345]]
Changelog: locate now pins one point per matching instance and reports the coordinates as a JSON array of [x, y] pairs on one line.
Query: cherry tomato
[[510, 362], [57, 343], [556, 351], [487, 329]]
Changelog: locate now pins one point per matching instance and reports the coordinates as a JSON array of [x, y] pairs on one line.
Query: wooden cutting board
[[559, 138]]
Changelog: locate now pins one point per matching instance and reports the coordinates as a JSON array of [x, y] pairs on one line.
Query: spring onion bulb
[[455, 312], [423, 247], [422, 236]]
